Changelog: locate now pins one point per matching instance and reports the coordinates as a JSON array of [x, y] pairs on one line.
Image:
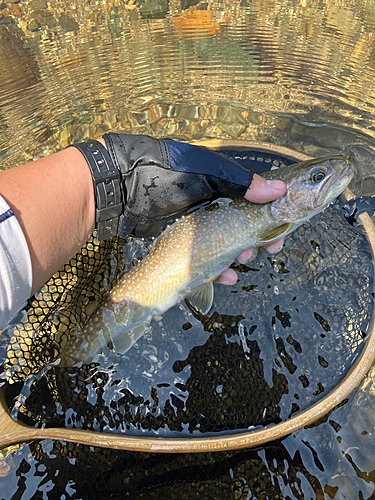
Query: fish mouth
[[344, 178], [335, 184]]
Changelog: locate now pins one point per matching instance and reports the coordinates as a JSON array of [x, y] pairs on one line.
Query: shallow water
[[298, 74]]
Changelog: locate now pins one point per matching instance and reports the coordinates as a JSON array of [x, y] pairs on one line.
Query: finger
[[248, 255], [228, 277], [275, 246], [263, 191], [251, 253]]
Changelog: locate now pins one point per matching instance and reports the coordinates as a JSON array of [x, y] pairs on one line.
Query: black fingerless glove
[[140, 182]]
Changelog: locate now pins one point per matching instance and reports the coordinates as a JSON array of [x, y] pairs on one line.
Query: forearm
[[53, 200]]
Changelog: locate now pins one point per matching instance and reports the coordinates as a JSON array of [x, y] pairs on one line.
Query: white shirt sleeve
[[15, 265]]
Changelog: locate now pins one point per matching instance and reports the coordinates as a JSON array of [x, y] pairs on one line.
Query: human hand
[[162, 178], [186, 174], [142, 183]]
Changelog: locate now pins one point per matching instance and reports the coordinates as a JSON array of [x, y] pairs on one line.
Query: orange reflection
[[196, 24]]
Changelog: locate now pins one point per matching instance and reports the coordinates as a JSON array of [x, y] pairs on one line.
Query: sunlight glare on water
[[227, 71]]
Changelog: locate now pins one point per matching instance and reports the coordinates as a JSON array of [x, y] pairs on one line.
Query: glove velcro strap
[[107, 188], [125, 226]]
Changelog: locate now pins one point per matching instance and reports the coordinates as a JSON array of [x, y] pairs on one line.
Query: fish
[[190, 254]]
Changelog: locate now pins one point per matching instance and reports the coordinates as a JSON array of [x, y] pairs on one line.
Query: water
[[298, 74]]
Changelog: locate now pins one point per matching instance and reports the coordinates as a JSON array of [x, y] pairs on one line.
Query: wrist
[[108, 191]]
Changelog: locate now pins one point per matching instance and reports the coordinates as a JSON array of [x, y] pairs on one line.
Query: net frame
[[12, 432]]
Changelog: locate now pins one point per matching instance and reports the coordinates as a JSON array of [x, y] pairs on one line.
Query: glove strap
[[107, 188]]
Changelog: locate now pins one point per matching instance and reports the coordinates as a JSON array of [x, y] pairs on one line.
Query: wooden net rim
[[12, 432]]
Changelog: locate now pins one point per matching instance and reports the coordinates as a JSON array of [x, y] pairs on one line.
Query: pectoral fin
[[201, 298], [273, 234]]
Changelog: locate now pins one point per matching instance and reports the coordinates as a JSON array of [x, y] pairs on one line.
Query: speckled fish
[[190, 254]]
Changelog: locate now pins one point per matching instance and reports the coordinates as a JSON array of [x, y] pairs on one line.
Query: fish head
[[310, 187]]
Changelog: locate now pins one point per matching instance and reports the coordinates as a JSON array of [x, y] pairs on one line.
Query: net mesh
[[98, 473], [274, 343]]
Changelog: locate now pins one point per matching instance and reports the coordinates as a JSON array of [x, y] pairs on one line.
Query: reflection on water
[[297, 73], [232, 70]]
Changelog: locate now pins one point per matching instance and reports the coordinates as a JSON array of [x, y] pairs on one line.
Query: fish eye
[[318, 176]]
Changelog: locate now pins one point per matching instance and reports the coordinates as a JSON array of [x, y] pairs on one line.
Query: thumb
[[263, 191]]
